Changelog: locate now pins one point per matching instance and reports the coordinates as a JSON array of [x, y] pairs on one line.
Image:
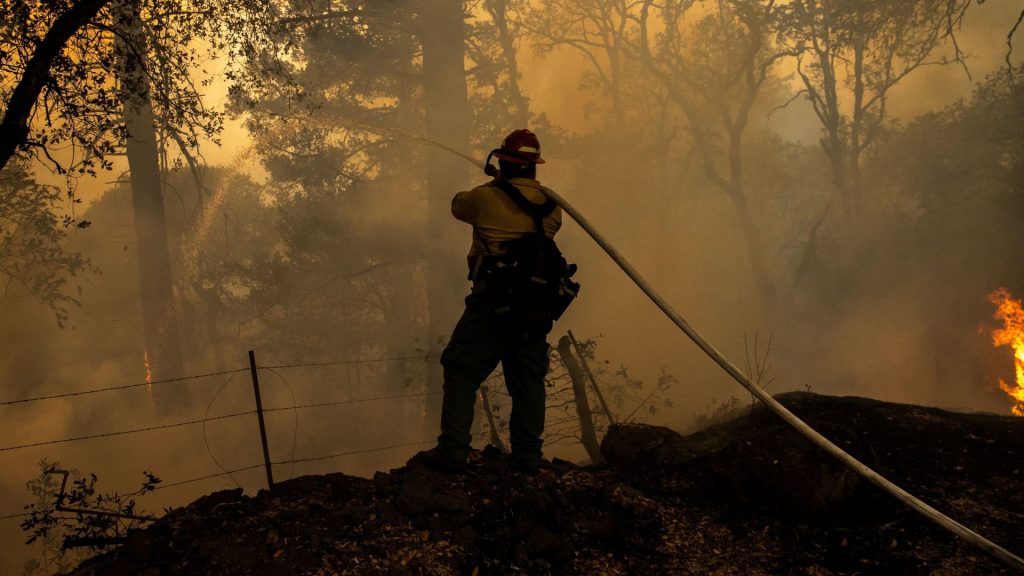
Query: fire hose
[[989, 547], [985, 545]]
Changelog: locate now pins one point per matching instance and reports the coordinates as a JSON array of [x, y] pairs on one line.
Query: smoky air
[[830, 194]]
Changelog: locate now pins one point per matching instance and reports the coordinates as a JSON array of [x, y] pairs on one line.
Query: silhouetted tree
[[849, 55], [598, 30], [34, 64], [953, 178], [715, 70], [507, 30], [339, 134]]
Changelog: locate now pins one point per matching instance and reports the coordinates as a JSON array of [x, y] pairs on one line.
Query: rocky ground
[[748, 496]]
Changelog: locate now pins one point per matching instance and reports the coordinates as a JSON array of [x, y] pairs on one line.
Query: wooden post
[[590, 376], [495, 438], [579, 387], [259, 415]]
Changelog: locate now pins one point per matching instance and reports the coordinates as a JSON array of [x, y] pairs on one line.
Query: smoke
[[871, 315], [893, 342]]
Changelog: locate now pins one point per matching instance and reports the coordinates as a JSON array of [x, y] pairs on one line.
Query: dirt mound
[[746, 497]]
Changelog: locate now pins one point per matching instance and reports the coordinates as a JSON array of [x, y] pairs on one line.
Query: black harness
[[487, 262], [536, 211], [530, 282]]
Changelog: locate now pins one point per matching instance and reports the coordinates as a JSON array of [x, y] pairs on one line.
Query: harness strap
[[535, 211]]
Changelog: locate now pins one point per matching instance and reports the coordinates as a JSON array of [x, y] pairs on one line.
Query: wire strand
[[211, 419], [254, 466], [208, 477], [122, 387], [347, 362], [207, 375], [351, 401], [123, 432]]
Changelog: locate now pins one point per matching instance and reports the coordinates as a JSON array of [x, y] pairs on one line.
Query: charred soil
[[749, 496]]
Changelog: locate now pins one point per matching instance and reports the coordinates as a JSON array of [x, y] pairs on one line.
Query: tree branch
[[1009, 43], [14, 128]]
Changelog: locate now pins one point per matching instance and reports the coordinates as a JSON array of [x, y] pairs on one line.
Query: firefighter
[[484, 336]]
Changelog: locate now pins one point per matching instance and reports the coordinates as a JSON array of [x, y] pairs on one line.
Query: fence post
[[590, 376], [259, 415], [588, 436], [495, 437]]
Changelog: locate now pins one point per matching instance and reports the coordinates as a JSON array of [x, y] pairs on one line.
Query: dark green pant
[[478, 343]]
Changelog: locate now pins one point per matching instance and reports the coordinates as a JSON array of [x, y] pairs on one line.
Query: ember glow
[[149, 373], [1012, 335]]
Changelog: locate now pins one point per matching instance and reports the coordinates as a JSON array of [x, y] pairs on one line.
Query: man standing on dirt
[[488, 331]]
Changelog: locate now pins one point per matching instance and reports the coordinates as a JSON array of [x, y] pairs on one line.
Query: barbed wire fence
[[272, 369], [260, 411]]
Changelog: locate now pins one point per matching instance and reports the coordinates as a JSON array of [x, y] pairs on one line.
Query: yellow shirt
[[496, 217]]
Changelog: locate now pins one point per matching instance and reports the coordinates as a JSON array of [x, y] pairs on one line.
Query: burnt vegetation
[[749, 496]]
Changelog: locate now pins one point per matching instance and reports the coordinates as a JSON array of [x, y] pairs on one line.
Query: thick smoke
[[894, 310]]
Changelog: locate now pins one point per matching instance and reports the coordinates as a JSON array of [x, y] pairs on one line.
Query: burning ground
[[748, 496]]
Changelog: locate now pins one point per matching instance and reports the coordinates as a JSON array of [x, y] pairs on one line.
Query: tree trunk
[[159, 320], [837, 156], [755, 253], [751, 232], [499, 12], [447, 123], [588, 436], [406, 317], [856, 126]]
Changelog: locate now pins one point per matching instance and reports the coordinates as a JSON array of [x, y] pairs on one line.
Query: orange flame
[[1011, 334]]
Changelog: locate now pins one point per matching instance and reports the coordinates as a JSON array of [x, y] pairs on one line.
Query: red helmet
[[521, 147]]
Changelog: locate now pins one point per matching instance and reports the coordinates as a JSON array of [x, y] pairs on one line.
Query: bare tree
[[850, 55], [597, 30], [714, 71], [499, 10], [694, 65]]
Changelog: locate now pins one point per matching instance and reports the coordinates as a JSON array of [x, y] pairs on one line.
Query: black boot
[[439, 459]]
